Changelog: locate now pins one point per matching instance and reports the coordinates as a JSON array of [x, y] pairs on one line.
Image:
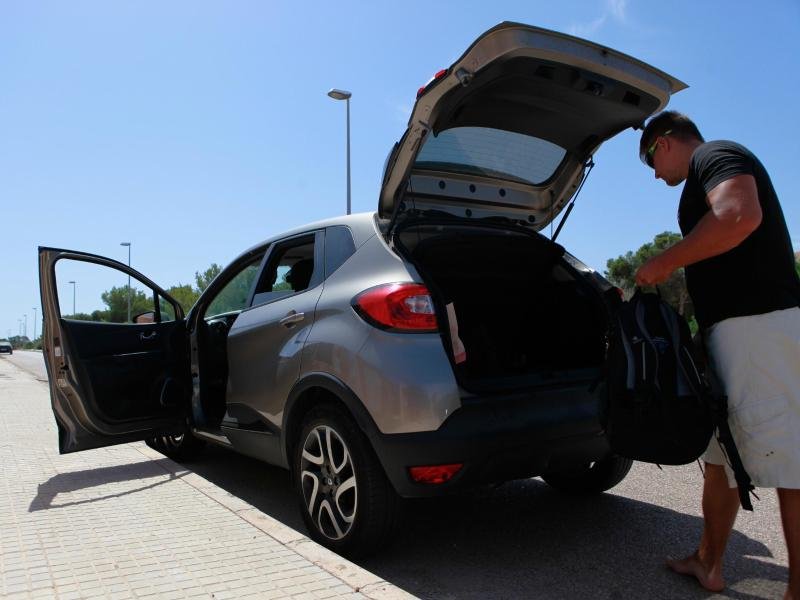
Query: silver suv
[[441, 342]]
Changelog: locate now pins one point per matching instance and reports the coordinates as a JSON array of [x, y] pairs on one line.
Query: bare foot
[[711, 579]]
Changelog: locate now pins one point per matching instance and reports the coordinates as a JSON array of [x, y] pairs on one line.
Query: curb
[[360, 580]]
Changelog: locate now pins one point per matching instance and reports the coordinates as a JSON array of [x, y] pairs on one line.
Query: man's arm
[[735, 213]]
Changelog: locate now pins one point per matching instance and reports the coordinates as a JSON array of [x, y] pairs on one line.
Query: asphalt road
[[524, 540], [29, 360]]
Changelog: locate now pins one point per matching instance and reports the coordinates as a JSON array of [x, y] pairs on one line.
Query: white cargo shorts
[[757, 361]]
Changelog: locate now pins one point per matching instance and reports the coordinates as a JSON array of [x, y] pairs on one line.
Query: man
[[741, 276]]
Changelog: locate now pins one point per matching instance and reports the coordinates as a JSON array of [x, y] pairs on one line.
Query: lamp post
[[73, 297], [345, 95], [128, 244], [25, 326], [34, 323]]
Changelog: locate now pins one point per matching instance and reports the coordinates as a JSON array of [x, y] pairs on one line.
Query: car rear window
[[491, 153]]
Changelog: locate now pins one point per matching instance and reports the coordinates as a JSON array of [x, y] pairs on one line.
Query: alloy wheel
[[328, 481], [173, 441]]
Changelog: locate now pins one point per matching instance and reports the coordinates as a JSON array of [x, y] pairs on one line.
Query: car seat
[[299, 276]]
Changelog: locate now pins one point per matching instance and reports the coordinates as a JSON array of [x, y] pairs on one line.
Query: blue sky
[[196, 129]]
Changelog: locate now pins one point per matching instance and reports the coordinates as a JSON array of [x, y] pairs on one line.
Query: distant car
[[6, 346], [441, 342]]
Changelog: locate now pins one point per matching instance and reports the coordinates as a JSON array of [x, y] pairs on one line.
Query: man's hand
[[656, 270]]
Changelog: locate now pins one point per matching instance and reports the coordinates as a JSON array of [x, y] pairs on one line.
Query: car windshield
[[491, 153]]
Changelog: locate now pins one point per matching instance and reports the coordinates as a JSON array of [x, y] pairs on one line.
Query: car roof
[[362, 226]]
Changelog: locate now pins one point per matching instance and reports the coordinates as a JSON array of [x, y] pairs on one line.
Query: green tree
[[80, 317], [621, 271], [116, 299], [185, 294], [205, 278]]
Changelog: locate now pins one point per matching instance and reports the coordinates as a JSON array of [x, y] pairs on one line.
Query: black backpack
[[660, 407]]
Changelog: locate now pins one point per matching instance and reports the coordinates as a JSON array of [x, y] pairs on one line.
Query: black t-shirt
[[757, 276]]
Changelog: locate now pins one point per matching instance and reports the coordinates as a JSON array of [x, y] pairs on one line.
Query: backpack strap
[[725, 439], [719, 414]]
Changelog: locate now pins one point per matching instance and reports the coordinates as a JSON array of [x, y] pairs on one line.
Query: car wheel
[[591, 478], [178, 447], [347, 503]]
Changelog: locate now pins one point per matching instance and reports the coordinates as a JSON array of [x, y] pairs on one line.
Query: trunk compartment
[[526, 317]]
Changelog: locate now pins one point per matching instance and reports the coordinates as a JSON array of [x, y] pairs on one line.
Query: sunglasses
[[651, 150]]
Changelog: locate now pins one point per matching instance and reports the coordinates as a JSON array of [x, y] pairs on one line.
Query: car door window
[[93, 292], [235, 294], [290, 270]]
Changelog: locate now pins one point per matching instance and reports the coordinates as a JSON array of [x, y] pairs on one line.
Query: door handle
[[146, 337], [292, 318]]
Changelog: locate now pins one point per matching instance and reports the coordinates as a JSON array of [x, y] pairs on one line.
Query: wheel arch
[[310, 391]]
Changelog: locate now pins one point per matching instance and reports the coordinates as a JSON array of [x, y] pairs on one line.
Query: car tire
[[345, 498], [182, 447], [591, 478]]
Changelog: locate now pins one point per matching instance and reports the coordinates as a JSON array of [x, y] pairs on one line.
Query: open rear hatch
[[495, 147], [507, 130]]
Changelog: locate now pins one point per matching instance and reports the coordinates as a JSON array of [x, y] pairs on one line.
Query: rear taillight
[[397, 307], [434, 473]]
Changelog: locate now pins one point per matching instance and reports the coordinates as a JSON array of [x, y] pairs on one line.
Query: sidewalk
[[126, 522]]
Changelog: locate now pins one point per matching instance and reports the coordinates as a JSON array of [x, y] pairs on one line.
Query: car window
[[491, 153], [89, 291], [235, 294], [339, 246], [289, 270]]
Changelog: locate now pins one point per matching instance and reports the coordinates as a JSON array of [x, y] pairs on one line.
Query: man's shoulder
[[714, 154], [720, 147]]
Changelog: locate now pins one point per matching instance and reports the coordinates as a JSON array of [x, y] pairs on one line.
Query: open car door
[[118, 374]]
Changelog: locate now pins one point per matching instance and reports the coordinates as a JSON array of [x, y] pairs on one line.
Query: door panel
[[127, 368], [265, 342], [112, 379]]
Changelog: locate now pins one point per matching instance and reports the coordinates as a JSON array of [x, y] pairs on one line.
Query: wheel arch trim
[[337, 388]]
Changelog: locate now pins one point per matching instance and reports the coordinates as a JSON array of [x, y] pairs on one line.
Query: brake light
[[434, 473], [438, 75], [397, 307]]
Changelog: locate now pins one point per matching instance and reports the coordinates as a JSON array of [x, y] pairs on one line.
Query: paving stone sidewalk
[[126, 522]]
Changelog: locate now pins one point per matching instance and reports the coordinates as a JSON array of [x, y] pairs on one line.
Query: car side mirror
[[145, 318]]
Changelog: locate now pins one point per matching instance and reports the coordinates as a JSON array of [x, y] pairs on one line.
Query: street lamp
[[128, 244], [34, 323], [73, 298], [25, 328], [344, 95]]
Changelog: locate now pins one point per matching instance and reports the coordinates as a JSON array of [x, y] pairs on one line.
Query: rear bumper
[[500, 438]]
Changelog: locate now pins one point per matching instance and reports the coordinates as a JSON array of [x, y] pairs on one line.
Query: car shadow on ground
[[523, 540]]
